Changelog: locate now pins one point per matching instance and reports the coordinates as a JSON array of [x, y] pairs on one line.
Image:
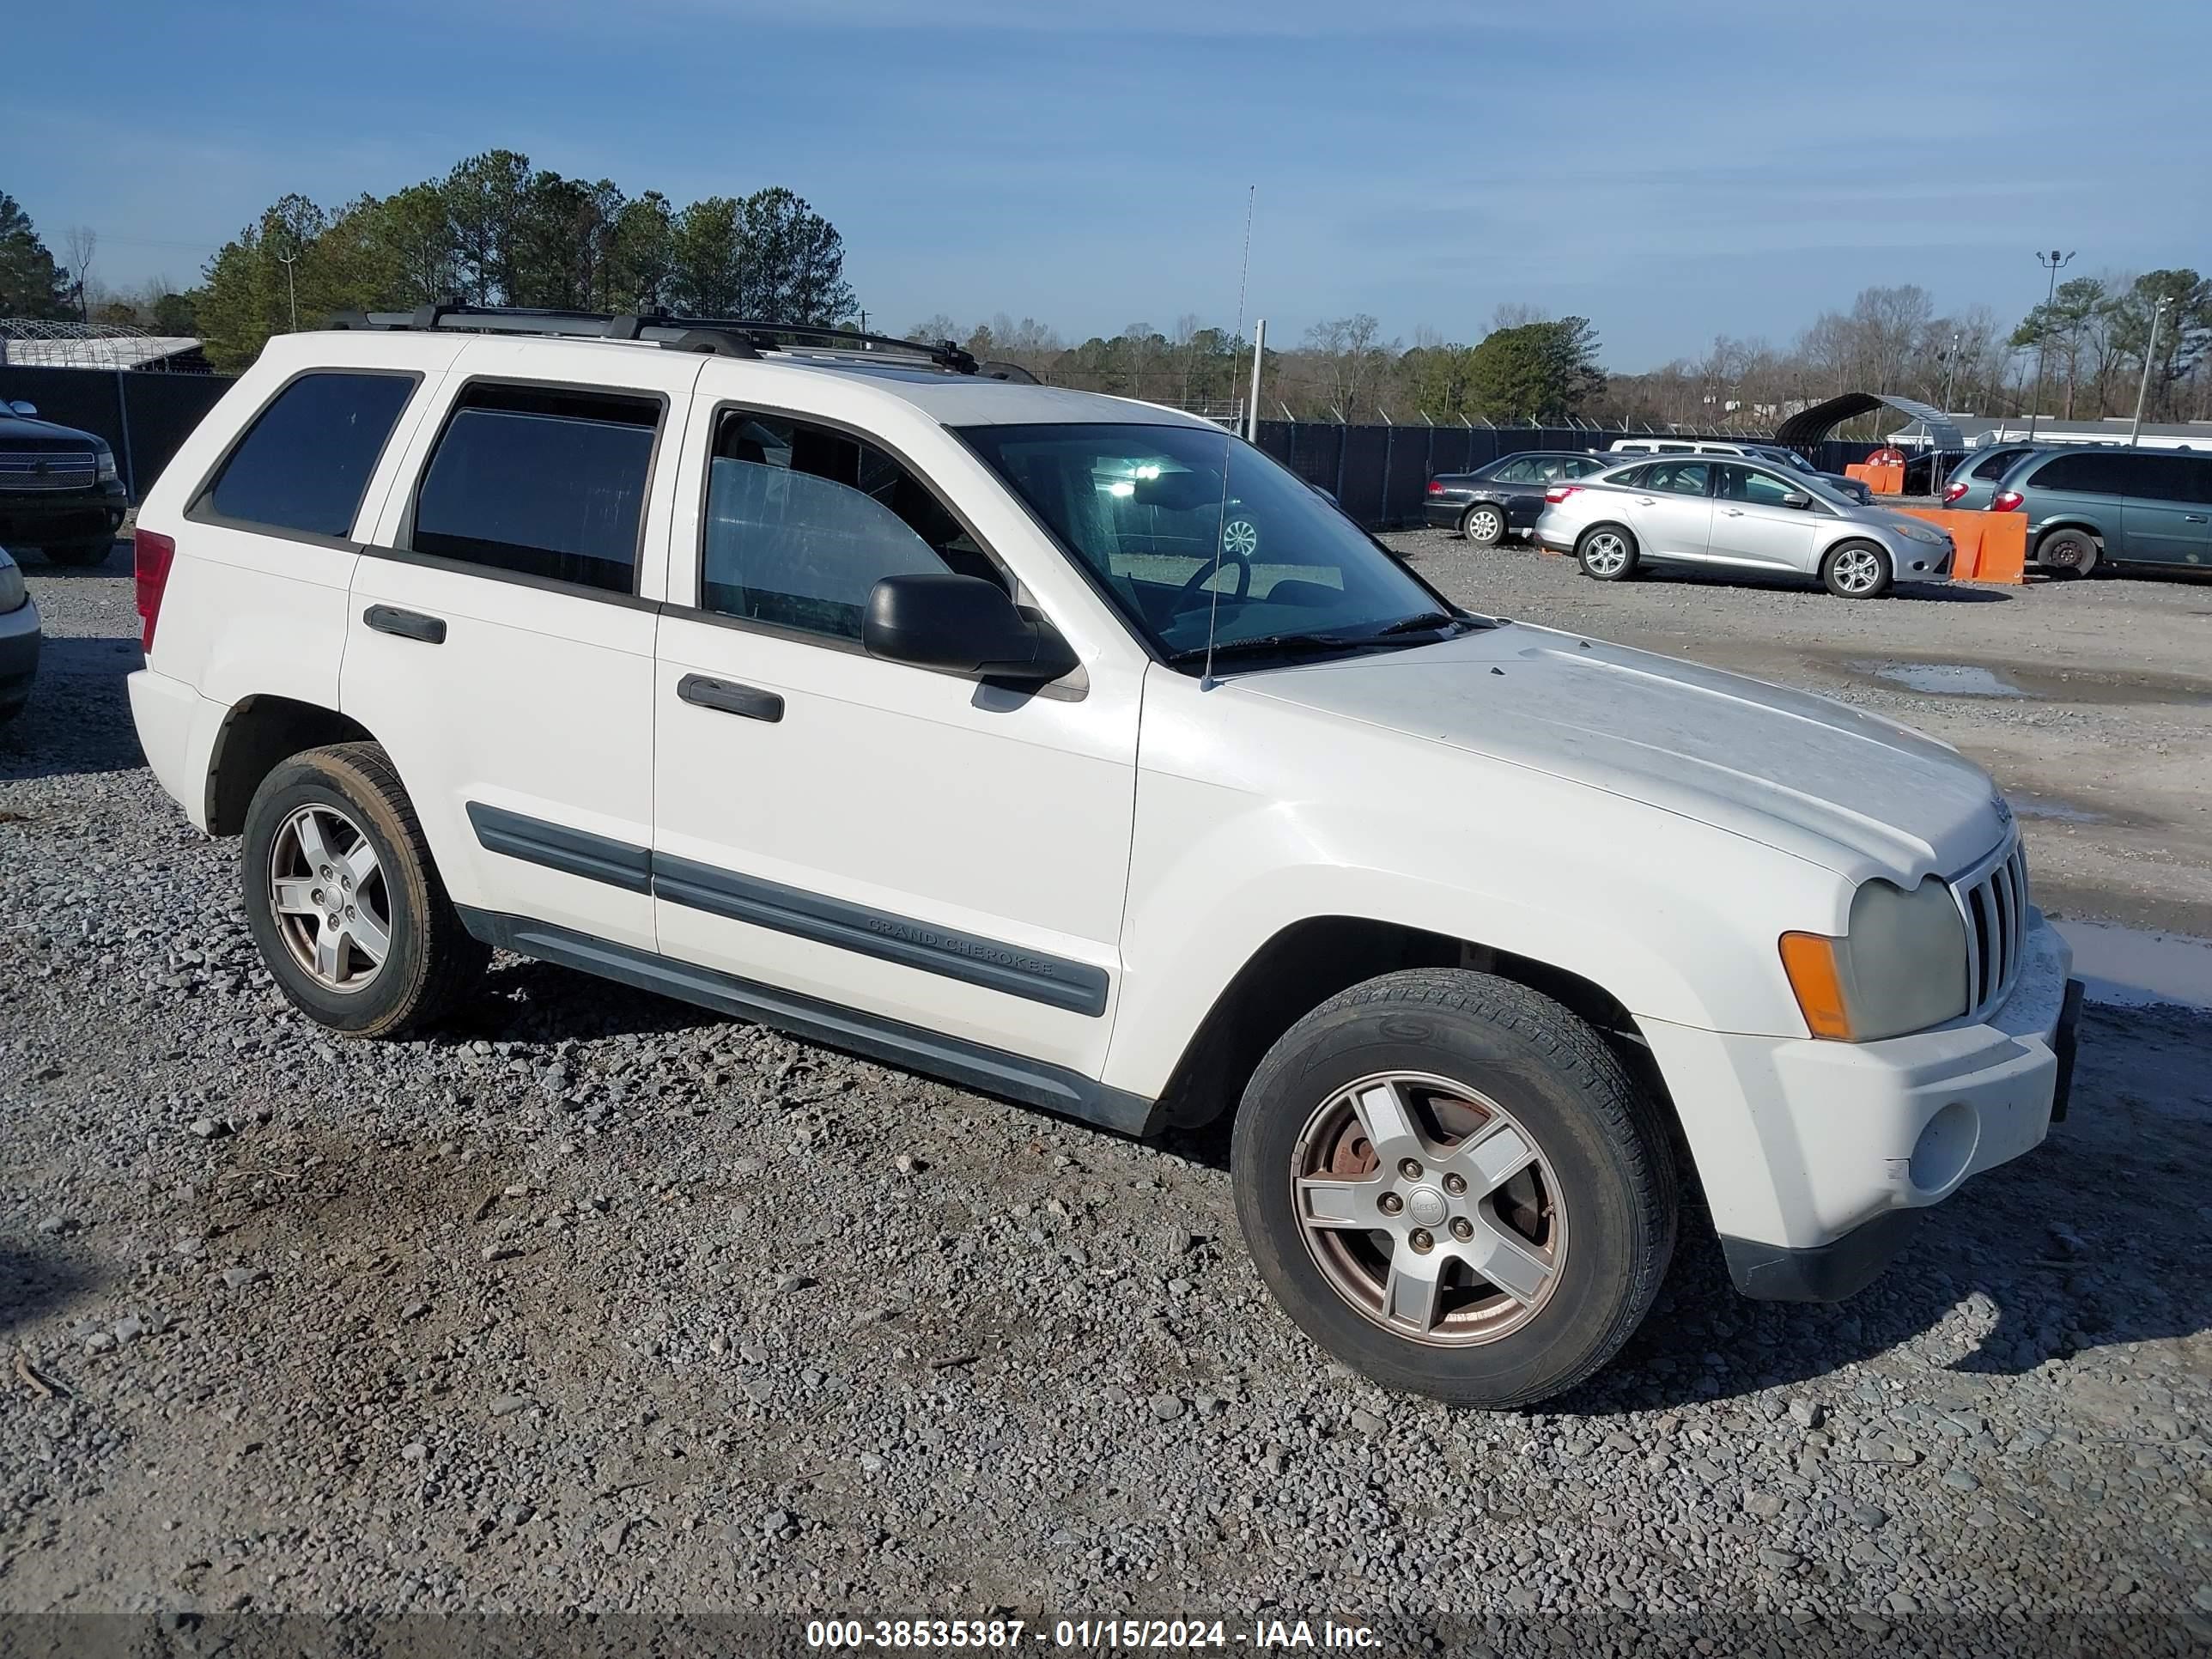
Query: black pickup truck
[[58, 489]]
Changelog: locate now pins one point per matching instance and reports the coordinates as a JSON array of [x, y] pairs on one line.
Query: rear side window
[[305, 463], [2170, 477], [2086, 472], [1995, 465], [541, 481]]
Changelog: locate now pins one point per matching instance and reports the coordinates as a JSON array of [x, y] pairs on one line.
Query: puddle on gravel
[[1943, 680], [2041, 806], [2136, 967]]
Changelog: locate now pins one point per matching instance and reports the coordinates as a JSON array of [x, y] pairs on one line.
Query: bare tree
[[79, 244]]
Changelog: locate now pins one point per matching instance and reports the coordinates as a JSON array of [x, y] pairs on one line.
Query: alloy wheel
[[1858, 570], [1239, 538], [1607, 553], [328, 894], [1429, 1208]]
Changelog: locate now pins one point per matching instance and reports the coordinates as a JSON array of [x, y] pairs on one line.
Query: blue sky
[[1673, 169]]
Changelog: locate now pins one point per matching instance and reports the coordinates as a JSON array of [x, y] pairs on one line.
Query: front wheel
[[1856, 570], [342, 898], [1452, 1185], [1483, 525], [1607, 553]]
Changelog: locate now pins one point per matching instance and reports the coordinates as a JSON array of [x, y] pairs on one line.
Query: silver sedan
[[1737, 514]]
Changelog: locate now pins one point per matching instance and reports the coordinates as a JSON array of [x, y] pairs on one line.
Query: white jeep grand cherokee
[[827, 682]]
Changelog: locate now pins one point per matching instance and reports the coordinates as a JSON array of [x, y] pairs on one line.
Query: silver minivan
[[1737, 512]]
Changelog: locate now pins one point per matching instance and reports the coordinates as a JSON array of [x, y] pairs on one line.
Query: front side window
[[802, 521], [2168, 478], [540, 481], [305, 463], [1187, 529], [1679, 477], [1755, 489]]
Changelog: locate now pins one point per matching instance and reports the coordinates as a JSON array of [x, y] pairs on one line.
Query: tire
[[1857, 570], [1483, 524], [427, 959], [1595, 1211], [1607, 553], [81, 553], [2068, 552]]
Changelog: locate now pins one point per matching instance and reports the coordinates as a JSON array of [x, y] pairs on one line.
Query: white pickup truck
[[823, 680]]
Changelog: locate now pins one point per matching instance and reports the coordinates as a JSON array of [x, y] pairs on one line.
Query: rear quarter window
[[2084, 473], [305, 463]]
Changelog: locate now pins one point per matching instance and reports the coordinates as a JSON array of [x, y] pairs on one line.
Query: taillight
[[2006, 500], [150, 556], [1436, 486], [1558, 493], [1953, 491]]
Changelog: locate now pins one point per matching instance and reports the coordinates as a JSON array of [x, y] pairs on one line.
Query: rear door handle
[[1736, 513], [408, 624], [731, 698], [2192, 518], [1647, 501]]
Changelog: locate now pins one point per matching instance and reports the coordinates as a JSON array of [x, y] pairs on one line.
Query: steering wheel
[[1193, 587]]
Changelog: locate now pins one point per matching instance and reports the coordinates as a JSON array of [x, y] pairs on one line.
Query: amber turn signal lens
[[1809, 960]]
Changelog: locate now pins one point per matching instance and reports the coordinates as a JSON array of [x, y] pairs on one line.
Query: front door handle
[[407, 624], [731, 698], [2192, 518]]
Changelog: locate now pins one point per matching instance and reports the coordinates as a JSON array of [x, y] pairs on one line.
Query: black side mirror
[[26, 409], [961, 625]]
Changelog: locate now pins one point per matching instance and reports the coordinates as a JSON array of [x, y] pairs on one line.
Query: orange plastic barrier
[[1882, 480], [1992, 547]]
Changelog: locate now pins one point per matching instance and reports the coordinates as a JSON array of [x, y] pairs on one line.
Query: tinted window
[[1631, 477], [2169, 478], [2086, 472], [1995, 465], [1588, 465], [306, 461], [1678, 477], [1742, 483], [1675, 449], [802, 521], [1522, 470], [540, 481]]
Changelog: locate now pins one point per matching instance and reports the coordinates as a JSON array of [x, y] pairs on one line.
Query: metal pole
[[123, 430], [2054, 264], [1259, 352], [2135, 429]]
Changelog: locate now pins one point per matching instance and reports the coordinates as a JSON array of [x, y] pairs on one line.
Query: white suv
[[834, 685]]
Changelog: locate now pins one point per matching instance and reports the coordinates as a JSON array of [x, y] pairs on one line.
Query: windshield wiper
[[1426, 620], [1266, 642]]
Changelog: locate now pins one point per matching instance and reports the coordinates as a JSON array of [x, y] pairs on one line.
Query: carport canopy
[[1810, 426]]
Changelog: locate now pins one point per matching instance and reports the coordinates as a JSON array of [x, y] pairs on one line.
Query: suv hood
[[1835, 786], [28, 432]]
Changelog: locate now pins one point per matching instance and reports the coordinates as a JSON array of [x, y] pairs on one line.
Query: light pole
[[1950, 370], [291, 292], [2054, 264], [2157, 311]]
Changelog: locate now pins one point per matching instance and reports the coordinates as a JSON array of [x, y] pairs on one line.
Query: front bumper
[[21, 635], [35, 518], [1817, 1156]]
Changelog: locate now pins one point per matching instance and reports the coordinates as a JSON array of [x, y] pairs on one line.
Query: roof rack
[[726, 336]]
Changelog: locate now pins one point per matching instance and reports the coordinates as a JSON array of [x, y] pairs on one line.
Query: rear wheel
[[343, 900], [1856, 570], [81, 553], [2068, 552], [1451, 1183], [1484, 525], [1606, 552]]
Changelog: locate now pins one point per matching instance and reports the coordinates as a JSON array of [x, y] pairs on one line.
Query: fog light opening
[[1946, 1147]]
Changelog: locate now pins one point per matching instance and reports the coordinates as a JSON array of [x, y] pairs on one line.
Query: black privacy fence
[[1380, 474], [144, 416]]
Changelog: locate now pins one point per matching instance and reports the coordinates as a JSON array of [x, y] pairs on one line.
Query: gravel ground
[[594, 1305]]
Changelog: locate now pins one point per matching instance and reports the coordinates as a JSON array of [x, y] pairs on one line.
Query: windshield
[[1178, 545]]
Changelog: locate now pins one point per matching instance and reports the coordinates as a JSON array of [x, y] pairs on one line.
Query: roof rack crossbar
[[743, 337]]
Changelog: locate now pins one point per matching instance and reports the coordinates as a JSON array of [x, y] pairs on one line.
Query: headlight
[[14, 596], [104, 464], [1922, 532], [1900, 966]]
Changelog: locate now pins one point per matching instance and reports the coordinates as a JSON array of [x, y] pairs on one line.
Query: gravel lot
[[596, 1305]]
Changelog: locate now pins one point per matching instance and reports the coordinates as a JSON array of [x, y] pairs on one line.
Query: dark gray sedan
[[1504, 498]]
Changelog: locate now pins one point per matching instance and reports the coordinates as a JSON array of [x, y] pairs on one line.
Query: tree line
[[495, 230]]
